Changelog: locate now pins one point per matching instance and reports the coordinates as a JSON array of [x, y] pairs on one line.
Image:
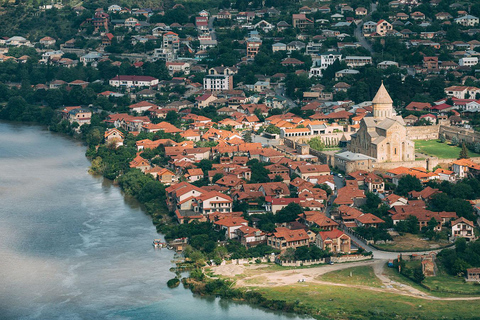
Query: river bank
[[367, 295], [73, 247]]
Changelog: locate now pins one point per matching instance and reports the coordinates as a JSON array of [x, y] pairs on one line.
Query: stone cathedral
[[383, 135]]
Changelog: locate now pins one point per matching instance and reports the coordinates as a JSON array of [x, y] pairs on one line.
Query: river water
[[71, 246]]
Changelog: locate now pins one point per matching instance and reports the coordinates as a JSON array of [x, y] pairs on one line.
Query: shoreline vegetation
[[306, 299]]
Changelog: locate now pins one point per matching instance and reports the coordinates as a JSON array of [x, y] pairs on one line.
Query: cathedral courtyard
[[438, 149]]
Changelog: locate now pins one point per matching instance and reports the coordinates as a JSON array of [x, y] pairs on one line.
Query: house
[[79, 115], [140, 163], [463, 228], [465, 167], [47, 41], [279, 47], [194, 175], [276, 204], [467, 20], [317, 219], [230, 225], [334, 241], [162, 126], [253, 46], [205, 100], [445, 175], [361, 11], [142, 106], [178, 67], [301, 21], [462, 92], [163, 175], [350, 195], [382, 27], [250, 236], [213, 201], [283, 238], [473, 274], [133, 81], [114, 136], [368, 220], [306, 171]]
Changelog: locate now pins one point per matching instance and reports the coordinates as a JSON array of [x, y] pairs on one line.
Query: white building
[[326, 60], [467, 20], [218, 82], [468, 61], [173, 67], [133, 81], [357, 61]]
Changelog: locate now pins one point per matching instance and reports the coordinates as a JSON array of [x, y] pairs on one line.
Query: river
[[71, 246]]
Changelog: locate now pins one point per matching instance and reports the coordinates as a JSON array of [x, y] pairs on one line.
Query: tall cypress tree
[[463, 152]]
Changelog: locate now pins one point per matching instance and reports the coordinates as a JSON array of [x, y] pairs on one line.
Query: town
[[293, 133]]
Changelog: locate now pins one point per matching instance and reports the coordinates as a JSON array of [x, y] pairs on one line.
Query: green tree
[[273, 129], [316, 144], [408, 183], [464, 152], [289, 213]]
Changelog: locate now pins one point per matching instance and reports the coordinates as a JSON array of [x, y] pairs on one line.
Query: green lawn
[[355, 276], [440, 150], [330, 302], [441, 286], [446, 283]]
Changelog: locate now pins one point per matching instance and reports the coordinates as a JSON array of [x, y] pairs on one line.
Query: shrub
[[173, 283]]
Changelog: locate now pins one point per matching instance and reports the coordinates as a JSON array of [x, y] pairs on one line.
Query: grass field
[[359, 276], [440, 150], [442, 285], [330, 302], [411, 242]]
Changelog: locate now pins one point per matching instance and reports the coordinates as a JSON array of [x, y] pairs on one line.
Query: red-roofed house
[[205, 100], [284, 238], [463, 228], [334, 241], [213, 201], [230, 225]]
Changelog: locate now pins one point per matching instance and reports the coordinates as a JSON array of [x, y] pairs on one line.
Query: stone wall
[[462, 134], [392, 165], [423, 132], [295, 263], [349, 258], [264, 259]]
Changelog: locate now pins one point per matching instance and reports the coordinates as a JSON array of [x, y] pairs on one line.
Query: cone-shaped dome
[[382, 96]]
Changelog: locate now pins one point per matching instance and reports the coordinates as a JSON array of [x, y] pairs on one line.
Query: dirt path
[[254, 276]]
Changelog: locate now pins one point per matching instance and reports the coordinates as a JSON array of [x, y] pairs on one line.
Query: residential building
[[301, 21], [383, 27], [133, 81], [283, 238], [334, 241], [253, 46], [467, 20], [463, 228]]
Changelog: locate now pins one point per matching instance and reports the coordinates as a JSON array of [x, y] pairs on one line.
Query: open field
[[440, 150], [331, 302], [411, 242], [355, 276], [446, 283]]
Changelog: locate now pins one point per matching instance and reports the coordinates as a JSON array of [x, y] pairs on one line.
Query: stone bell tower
[[382, 104]]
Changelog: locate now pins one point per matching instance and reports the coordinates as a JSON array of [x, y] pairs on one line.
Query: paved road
[[280, 91], [210, 27], [358, 31]]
